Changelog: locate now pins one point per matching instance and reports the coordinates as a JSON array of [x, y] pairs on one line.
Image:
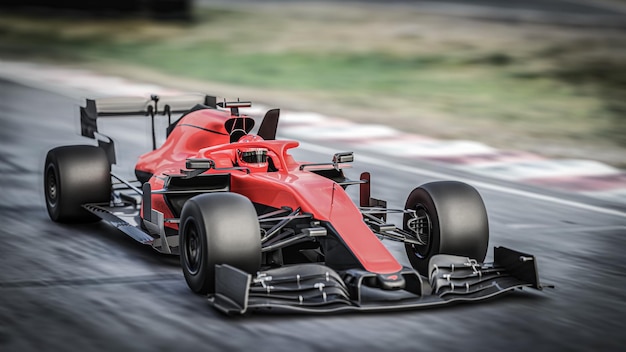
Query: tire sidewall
[[419, 197], [201, 280], [51, 167]]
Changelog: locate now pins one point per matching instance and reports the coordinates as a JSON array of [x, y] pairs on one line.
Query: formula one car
[[257, 230]]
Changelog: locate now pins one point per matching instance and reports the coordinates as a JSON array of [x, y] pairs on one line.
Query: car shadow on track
[[119, 241]]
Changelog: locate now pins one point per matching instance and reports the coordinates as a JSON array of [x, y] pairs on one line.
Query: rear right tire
[[75, 175]]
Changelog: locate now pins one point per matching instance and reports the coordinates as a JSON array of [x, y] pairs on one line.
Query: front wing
[[315, 288]]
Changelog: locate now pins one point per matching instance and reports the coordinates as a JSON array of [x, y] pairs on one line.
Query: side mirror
[[343, 157], [199, 164]]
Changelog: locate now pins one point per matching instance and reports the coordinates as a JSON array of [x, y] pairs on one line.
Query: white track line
[[347, 131], [552, 168], [433, 148]]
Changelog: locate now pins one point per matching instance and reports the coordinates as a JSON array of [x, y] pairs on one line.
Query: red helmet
[[253, 157], [250, 138]]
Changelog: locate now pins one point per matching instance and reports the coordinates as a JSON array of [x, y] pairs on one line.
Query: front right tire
[[451, 219]]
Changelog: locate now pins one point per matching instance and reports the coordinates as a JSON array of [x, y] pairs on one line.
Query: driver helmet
[[253, 157]]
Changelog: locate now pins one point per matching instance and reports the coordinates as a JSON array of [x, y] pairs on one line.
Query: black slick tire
[[452, 220], [75, 175], [217, 228]]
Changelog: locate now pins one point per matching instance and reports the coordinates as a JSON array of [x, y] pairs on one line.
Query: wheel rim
[[52, 186], [192, 249], [421, 225]]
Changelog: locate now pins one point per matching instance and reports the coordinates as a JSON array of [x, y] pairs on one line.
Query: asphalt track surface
[[90, 288]]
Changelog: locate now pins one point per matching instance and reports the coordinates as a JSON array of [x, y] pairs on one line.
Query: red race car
[[258, 230]]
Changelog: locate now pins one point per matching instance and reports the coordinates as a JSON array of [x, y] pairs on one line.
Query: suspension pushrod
[[273, 213], [119, 178], [276, 228], [287, 217], [367, 210], [286, 242]]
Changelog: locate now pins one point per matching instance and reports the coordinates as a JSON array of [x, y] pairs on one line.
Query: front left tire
[[217, 228]]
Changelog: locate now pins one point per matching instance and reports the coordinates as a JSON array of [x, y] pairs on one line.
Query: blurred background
[[545, 76]]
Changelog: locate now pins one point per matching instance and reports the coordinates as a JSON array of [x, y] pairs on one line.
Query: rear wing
[[138, 106]]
